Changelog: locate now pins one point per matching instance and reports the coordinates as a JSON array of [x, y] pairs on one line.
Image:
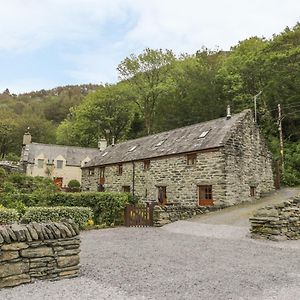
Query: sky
[[49, 43]]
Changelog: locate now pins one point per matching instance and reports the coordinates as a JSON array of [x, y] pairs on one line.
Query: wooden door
[[162, 194], [58, 181], [205, 195]]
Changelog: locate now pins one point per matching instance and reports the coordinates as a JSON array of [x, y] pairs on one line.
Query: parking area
[[196, 259]]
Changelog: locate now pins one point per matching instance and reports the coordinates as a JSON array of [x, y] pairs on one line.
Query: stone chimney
[[102, 144], [228, 112], [26, 138]]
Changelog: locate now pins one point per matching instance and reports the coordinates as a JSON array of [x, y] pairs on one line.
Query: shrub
[[74, 185], [8, 216], [80, 215], [107, 207]]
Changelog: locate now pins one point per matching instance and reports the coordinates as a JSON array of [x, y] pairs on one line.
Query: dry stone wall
[[38, 251], [277, 222], [163, 215]]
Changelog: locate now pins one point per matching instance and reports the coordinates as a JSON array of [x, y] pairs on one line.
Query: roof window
[[203, 134], [160, 143], [132, 149]]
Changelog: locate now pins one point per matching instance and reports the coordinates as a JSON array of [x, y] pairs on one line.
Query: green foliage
[[8, 216], [74, 184], [80, 215], [105, 113], [292, 164], [107, 207]]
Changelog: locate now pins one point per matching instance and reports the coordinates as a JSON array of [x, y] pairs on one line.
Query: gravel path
[[158, 263], [183, 260]]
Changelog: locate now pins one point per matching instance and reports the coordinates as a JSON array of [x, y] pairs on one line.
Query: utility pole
[[255, 110], [280, 118]]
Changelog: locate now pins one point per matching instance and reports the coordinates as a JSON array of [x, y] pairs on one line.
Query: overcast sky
[[47, 43]]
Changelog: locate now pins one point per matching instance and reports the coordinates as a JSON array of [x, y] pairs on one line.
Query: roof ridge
[[178, 128], [58, 145]]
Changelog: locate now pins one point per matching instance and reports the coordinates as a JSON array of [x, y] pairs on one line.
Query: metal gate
[[139, 215]]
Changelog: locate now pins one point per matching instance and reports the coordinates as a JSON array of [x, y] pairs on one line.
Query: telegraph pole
[[280, 137]]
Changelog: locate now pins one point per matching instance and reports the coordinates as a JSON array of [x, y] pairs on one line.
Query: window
[[91, 172], [191, 159], [126, 188], [146, 164], [252, 191], [162, 194], [205, 195], [120, 169], [101, 171], [40, 163], [132, 149], [59, 164]]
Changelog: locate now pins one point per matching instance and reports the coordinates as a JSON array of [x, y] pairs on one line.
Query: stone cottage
[[220, 162], [57, 162]]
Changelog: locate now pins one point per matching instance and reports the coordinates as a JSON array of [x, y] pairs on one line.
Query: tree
[[148, 75], [104, 113]]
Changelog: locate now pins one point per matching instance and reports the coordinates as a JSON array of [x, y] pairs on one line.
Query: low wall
[[170, 213], [277, 222], [38, 251]]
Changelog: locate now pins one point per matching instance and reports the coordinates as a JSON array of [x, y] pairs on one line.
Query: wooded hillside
[[159, 91]]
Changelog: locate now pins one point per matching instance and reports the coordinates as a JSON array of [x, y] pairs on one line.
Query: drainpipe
[[133, 179]]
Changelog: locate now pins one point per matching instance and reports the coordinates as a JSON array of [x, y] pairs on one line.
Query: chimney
[[102, 144], [113, 140], [228, 112], [26, 138]]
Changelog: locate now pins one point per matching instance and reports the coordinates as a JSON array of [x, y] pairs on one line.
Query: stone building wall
[[248, 163], [243, 162], [38, 251], [181, 180], [277, 222]]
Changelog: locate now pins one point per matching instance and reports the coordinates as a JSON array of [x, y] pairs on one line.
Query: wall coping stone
[[19, 233]]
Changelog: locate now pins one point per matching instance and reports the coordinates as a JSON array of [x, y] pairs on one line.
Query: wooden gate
[[138, 215]]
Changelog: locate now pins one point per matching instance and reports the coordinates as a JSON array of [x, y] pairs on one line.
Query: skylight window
[[104, 153], [132, 149], [160, 143], [203, 134]]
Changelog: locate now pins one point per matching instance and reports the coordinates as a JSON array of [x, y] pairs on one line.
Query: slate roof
[[73, 155], [180, 140]]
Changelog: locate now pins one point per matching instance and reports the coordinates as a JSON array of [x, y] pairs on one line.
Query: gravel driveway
[[183, 260]]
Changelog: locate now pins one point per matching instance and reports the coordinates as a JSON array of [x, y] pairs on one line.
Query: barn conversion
[[219, 162]]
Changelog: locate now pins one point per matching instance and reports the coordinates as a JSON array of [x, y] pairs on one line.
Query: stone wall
[[38, 251], [248, 163], [277, 222], [163, 215], [243, 162]]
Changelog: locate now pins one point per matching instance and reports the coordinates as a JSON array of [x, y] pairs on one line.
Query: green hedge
[[80, 215], [107, 206], [8, 216]]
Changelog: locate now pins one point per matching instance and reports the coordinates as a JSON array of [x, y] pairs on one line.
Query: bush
[[8, 216], [74, 185], [80, 215], [107, 207]]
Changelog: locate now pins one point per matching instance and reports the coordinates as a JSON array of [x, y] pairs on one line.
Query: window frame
[[126, 189], [40, 163], [120, 169], [91, 171], [147, 163], [253, 191], [191, 159], [62, 164]]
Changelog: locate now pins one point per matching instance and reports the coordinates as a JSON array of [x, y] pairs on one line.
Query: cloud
[[92, 36]]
